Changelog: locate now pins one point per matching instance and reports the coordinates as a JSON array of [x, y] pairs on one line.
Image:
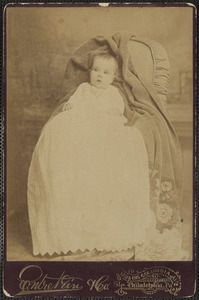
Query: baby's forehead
[[104, 61]]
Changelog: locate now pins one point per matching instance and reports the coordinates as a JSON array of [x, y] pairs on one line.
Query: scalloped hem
[[95, 251]]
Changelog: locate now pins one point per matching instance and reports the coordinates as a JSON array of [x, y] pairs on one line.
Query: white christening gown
[[88, 184]]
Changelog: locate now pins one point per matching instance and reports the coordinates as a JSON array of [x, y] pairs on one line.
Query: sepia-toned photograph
[[99, 134]]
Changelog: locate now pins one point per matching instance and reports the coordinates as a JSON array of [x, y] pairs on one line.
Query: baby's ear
[[116, 75], [118, 78]]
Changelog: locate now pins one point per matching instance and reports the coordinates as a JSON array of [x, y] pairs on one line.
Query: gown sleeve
[[76, 98]]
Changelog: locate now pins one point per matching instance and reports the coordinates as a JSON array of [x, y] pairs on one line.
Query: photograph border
[[13, 268]]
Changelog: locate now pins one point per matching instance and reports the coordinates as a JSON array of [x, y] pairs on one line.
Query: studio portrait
[[99, 133]]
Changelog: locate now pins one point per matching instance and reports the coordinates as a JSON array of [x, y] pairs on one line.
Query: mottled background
[[39, 43]]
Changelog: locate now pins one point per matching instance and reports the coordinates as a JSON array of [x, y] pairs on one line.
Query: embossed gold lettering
[[99, 284], [30, 283]]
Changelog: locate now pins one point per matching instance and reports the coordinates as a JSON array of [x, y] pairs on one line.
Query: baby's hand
[[67, 106]]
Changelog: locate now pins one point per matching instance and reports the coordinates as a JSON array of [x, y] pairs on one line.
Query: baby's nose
[[99, 73]]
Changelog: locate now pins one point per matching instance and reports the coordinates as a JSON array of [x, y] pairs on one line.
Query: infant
[[97, 169]]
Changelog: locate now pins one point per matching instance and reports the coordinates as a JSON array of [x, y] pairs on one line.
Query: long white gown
[[88, 184]]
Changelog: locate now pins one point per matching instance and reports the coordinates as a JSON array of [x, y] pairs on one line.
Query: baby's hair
[[105, 56]]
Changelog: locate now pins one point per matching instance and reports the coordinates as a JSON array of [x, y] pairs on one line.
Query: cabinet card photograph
[[99, 158]]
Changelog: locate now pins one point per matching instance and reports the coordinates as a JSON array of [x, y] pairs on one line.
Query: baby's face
[[102, 72]]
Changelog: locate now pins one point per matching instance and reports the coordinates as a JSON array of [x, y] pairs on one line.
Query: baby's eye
[[106, 72], [95, 69]]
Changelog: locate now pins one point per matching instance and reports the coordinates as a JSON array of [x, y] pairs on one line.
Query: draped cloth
[[144, 109]]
